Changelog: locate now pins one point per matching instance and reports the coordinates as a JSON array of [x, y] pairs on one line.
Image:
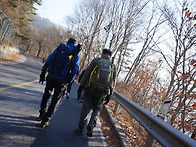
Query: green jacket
[[86, 76]]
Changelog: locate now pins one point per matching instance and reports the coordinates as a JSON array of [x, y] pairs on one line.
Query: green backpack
[[101, 78]]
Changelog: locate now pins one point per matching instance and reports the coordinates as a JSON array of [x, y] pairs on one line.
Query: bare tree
[[92, 17], [181, 86], [149, 42], [87, 23], [45, 39]]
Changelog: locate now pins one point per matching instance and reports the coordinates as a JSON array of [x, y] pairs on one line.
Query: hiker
[[44, 60], [80, 89], [98, 83], [62, 66]]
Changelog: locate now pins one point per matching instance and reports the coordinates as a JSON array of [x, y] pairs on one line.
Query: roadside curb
[[118, 128]]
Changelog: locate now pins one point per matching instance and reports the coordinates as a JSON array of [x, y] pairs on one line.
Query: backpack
[[63, 61], [60, 61], [101, 77]]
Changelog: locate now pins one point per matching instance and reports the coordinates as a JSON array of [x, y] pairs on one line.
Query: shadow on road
[[19, 125]]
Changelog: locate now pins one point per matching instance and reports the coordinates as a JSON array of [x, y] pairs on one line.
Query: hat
[[107, 51], [71, 40]]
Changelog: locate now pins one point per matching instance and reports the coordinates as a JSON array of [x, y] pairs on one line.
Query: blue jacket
[[66, 73]]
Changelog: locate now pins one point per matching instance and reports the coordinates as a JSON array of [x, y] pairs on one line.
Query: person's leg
[[81, 97], [93, 119], [68, 89], [46, 96], [79, 92], [55, 99], [96, 102], [84, 112], [92, 122]]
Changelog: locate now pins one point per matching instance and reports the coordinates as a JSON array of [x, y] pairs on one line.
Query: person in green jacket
[[98, 82]]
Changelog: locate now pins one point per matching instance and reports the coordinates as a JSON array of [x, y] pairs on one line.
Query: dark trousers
[[57, 86], [79, 92], [69, 87], [93, 99]]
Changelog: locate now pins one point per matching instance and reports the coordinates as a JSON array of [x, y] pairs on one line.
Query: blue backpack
[[60, 61], [59, 66]]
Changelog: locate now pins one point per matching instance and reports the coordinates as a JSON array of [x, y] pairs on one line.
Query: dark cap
[[71, 40], [107, 51]]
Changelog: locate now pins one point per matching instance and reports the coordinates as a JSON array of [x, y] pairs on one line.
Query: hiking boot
[[79, 130], [44, 124], [89, 131]]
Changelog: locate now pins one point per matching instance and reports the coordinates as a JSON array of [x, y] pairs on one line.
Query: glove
[[107, 99], [42, 77]]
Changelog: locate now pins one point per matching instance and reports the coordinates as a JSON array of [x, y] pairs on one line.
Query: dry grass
[[11, 58]]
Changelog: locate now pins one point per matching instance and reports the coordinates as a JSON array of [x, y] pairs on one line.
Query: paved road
[[20, 96]]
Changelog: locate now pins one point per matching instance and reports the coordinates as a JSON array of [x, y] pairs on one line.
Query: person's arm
[[114, 76], [48, 61], [82, 74], [88, 72], [45, 67], [108, 97], [74, 65]]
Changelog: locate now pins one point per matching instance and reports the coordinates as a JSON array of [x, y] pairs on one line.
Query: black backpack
[[101, 77]]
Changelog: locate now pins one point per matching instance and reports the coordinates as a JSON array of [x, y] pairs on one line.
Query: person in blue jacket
[[62, 67]]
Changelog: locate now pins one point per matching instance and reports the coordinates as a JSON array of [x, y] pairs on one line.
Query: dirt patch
[[11, 58], [111, 135]]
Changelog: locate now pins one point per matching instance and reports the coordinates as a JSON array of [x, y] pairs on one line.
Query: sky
[[56, 10]]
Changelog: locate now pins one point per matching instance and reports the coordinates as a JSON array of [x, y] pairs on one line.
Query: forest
[[153, 44]]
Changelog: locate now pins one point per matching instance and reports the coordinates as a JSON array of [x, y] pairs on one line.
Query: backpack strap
[[95, 68]]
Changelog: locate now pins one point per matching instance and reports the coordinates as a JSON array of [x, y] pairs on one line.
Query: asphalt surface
[[20, 97]]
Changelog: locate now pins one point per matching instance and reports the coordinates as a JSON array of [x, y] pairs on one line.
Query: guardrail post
[[116, 107], [149, 141]]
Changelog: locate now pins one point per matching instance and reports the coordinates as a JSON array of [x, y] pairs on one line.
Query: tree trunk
[[39, 49]]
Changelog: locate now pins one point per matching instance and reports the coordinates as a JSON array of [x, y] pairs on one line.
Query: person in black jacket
[[61, 71]]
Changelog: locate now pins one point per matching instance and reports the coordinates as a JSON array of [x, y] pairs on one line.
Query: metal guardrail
[[6, 28], [163, 132]]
